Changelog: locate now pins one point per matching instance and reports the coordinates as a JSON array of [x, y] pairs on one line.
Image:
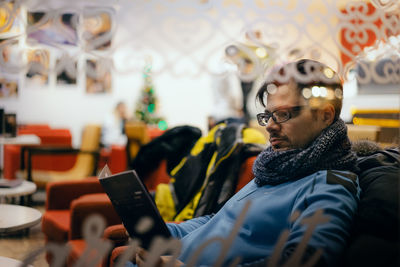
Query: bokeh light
[[306, 93], [316, 91], [162, 125]]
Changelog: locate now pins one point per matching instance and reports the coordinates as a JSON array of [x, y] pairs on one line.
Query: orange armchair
[[69, 203], [61, 198]]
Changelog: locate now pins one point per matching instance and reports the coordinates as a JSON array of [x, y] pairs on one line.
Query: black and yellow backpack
[[206, 178]]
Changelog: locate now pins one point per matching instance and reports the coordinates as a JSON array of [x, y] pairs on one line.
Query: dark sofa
[[375, 238]]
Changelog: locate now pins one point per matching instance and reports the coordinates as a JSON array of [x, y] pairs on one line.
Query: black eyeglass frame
[[264, 117]]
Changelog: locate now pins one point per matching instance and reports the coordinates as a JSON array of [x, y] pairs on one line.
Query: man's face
[[303, 126], [122, 110]]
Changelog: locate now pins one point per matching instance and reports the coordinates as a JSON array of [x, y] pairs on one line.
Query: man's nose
[[272, 126]]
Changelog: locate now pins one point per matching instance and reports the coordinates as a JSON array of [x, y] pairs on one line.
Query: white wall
[[183, 101]]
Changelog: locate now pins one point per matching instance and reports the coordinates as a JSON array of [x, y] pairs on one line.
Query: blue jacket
[[272, 210]]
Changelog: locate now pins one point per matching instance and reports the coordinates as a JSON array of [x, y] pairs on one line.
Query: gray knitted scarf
[[330, 150]]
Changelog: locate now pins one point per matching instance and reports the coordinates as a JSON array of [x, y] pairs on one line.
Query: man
[[300, 206], [113, 129]]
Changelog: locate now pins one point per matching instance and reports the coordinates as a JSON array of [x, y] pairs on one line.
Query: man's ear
[[328, 113]]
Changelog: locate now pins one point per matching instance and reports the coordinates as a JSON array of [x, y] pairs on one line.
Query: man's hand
[[161, 262]]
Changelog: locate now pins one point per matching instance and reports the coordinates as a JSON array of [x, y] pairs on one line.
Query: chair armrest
[[86, 205], [59, 195], [116, 234]]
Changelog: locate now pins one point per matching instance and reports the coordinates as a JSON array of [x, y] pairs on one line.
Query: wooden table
[[15, 218], [9, 262], [25, 139]]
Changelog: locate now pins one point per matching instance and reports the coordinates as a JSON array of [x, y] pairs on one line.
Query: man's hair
[[315, 81]]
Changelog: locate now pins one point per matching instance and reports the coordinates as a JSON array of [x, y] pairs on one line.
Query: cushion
[[117, 234], [371, 251]]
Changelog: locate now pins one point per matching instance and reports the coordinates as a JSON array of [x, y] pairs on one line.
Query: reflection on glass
[[38, 66], [98, 76], [97, 29], [48, 28], [9, 22], [8, 87], [66, 70], [10, 56]]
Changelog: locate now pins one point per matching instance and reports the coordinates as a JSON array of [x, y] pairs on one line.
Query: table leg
[[1, 159], [26, 231], [22, 200], [29, 167]]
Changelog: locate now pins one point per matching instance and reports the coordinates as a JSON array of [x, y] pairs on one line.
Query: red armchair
[[48, 136], [68, 204], [115, 158]]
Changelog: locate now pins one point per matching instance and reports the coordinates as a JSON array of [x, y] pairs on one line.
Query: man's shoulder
[[346, 179]]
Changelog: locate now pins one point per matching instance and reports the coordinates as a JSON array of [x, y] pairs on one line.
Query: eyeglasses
[[279, 115]]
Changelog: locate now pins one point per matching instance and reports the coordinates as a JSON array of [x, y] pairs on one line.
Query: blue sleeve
[[182, 229], [332, 200]]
